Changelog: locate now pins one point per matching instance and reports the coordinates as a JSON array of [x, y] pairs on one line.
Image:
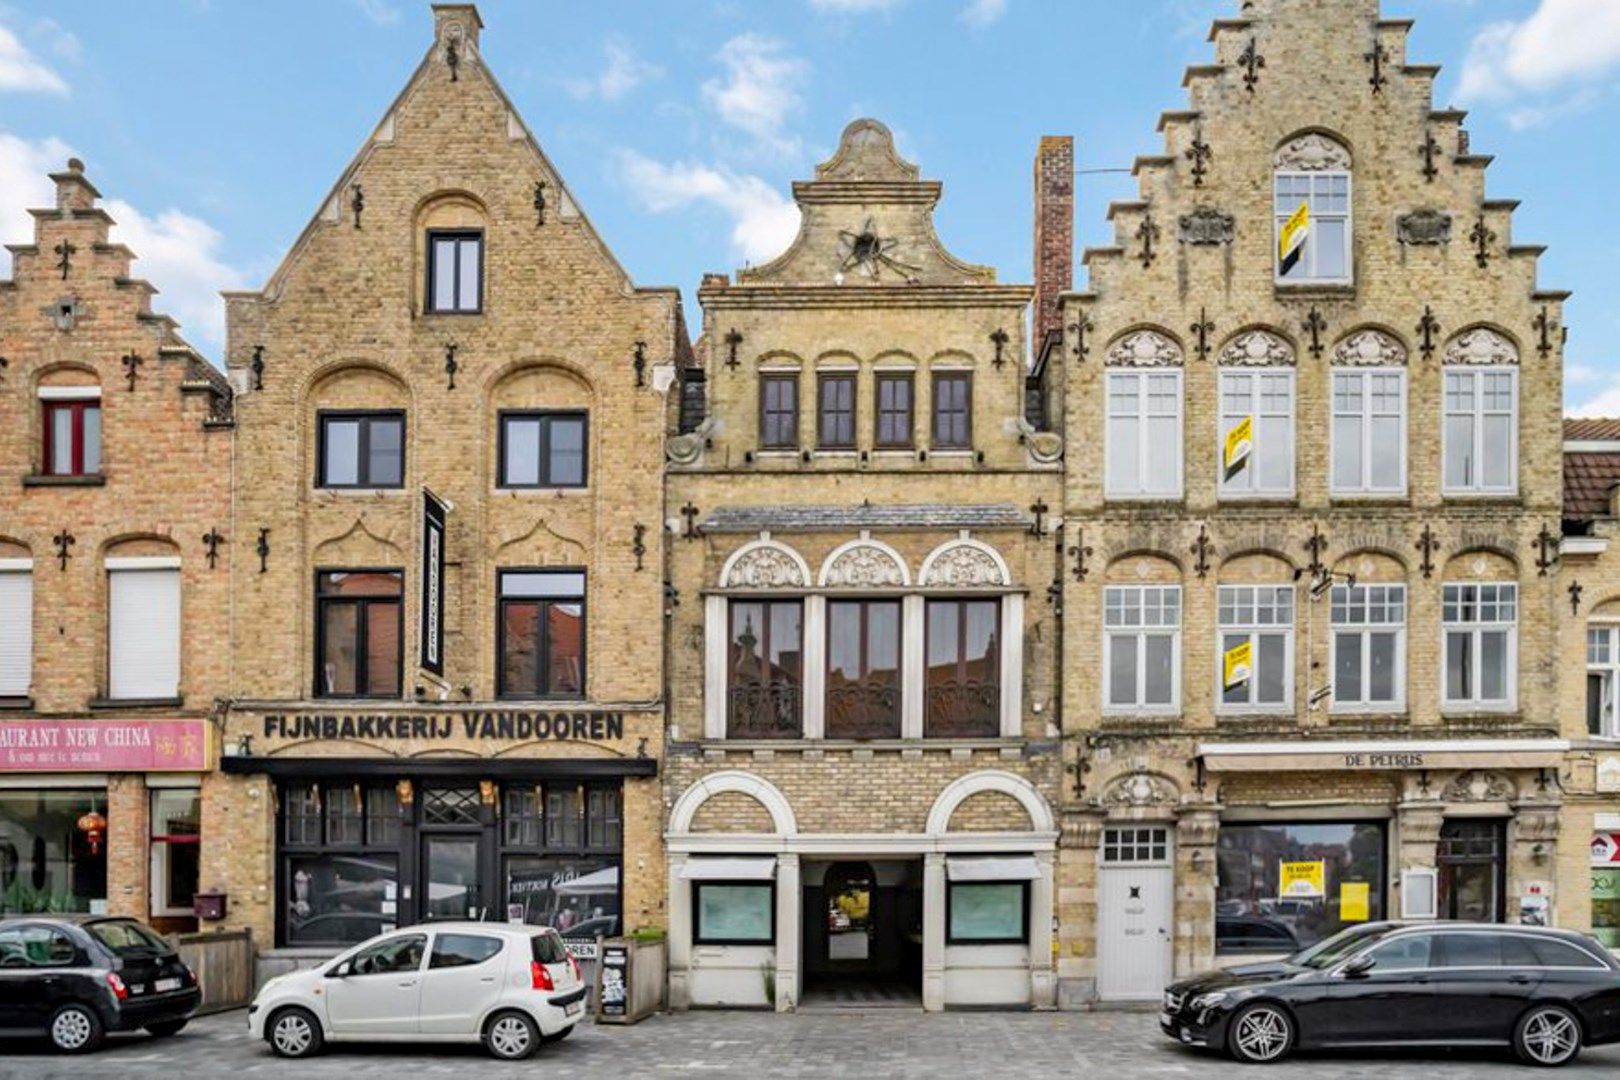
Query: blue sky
[[214, 127]]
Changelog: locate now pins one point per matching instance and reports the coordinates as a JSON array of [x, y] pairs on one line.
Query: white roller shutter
[[143, 633], [16, 631]]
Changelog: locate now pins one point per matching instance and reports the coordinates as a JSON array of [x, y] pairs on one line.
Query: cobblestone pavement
[[822, 1044]]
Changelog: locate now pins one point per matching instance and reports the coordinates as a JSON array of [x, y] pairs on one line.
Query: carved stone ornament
[[1207, 227], [686, 449], [1257, 348], [1477, 785], [765, 567], [1372, 348], [1481, 345], [1313, 153], [1139, 789], [1045, 447], [1144, 348], [863, 565], [1423, 228], [964, 566]]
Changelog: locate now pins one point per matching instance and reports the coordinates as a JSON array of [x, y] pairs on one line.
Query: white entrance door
[[1135, 913]]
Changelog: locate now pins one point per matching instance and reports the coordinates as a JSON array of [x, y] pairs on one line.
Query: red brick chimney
[[1054, 233]]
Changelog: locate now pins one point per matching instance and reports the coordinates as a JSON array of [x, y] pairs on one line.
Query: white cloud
[[983, 12], [622, 73], [1603, 403], [1532, 64], [855, 6], [24, 184], [21, 70], [378, 11], [764, 221], [760, 89]]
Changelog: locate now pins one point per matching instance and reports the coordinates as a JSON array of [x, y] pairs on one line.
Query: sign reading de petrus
[[1392, 754], [471, 724]]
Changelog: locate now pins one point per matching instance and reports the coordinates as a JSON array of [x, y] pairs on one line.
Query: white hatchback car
[[511, 987]]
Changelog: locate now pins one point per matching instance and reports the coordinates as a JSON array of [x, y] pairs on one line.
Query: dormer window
[[455, 271], [1311, 183]]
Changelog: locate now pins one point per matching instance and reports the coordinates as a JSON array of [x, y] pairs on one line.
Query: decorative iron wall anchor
[[1081, 325], [211, 540], [1039, 509], [132, 368], [1079, 551], [1148, 233], [999, 340], [1252, 63], [690, 529], [1430, 151], [1201, 330], [1545, 325], [539, 202], [1316, 545], [639, 362], [258, 367], [1199, 153], [1202, 549], [450, 365], [65, 249], [1078, 768], [1427, 327], [64, 540], [357, 203], [1547, 545], [1314, 325], [4, 363], [638, 546], [263, 549], [734, 338], [1575, 591], [1482, 237], [1427, 545], [452, 57], [1377, 57]]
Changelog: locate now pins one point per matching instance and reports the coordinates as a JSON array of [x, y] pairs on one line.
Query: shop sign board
[[103, 746], [1606, 849], [615, 976]]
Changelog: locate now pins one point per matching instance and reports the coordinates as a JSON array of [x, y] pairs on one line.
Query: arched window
[[1311, 184]]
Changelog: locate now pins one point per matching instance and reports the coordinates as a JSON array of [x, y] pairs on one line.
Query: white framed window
[[1142, 627], [1262, 617], [1265, 398], [143, 628], [1603, 681], [1369, 431], [1369, 648], [1324, 258], [1481, 430], [1144, 434], [1481, 643], [16, 627]]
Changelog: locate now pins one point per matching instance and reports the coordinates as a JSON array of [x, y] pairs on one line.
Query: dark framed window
[[765, 669], [541, 632], [987, 912], [953, 410], [48, 863], [962, 685], [733, 913], [894, 408], [863, 669], [542, 449], [1253, 913], [1473, 870], [361, 450], [340, 862], [72, 438], [835, 411], [359, 631], [455, 271], [561, 867], [779, 411]]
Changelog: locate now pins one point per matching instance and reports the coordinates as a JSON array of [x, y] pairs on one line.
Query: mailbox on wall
[[209, 906]]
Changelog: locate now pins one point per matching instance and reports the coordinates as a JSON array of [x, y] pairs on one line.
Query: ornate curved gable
[[765, 564], [1481, 345], [1312, 152], [1369, 348], [864, 563], [1144, 348], [964, 563], [1257, 348]]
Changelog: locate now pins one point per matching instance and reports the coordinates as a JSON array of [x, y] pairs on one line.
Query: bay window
[[1369, 647], [1142, 648], [1265, 399], [1481, 637], [1369, 431], [765, 669], [1144, 434], [863, 669], [1481, 430], [1262, 618]]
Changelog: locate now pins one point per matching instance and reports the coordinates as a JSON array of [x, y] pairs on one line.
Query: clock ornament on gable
[[868, 253]]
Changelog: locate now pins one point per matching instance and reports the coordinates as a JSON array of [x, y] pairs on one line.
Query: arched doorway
[[862, 943]]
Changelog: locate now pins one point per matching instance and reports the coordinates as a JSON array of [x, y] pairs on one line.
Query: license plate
[[1166, 1019], [573, 1008], [163, 986]]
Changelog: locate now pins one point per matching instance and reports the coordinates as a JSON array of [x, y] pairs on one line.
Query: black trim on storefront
[[481, 768]]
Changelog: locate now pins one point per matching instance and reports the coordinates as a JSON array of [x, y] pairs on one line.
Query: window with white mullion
[[1481, 429], [1144, 434], [1603, 681], [1142, 627], [1481, 641], [1263, 617], [1266, 398], [1369, 431], [1325, 256], [1369, 647]]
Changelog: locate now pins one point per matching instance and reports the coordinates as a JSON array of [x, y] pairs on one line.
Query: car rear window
[[128, 937], [548, 949], [1550, 952], [462, 950]]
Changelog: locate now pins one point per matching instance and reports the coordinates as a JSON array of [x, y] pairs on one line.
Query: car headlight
[[1205, 1001]]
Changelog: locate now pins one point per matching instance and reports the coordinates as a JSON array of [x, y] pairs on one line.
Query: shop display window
[[1284, 885], [53, 851], [733, 913]]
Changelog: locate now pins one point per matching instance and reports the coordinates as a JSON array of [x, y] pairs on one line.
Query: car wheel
[[1548, 1035], [1261, 1034], [294, 1033], [76, 1029], [511, 1036], [167, 1028]]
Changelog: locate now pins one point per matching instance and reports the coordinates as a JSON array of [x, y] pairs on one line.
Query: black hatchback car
[[1546, 993], [74, 980]]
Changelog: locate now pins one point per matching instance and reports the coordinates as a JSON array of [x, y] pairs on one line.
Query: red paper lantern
[[94, 827]]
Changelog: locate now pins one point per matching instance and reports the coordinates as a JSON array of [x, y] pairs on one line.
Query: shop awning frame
[[326, 768], [729, 868], [991, 868]]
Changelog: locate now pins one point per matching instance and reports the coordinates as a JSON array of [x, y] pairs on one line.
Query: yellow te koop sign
[[1302, 879]]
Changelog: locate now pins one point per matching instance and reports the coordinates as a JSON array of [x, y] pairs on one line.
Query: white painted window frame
[[1141, 632], [1364, 432], [1477, 374], [1255, 630], [1348, 217], [1476, 628], [1141, 375], [1225, 421], [1365, 630]]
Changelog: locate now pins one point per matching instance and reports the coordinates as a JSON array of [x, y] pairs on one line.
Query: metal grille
[[450, 806]]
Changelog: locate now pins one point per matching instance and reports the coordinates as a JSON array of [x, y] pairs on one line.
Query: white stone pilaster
[[912, 674], [680, 936], [934, 931], [788, 903], [715, 633], [1012, 665], [815, 667], [1042, 981]]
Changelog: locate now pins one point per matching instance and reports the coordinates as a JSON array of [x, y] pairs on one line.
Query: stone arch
[[449, 208], [779, 360], [1144, 567], [837, 359], [565, 374], [1371, 346], [1608, 608], [964, 561], [1481, 563], [365, 375], [67, 373], [960, 789], [139, 545], [989, 811], [895, 360], [706, 788], [952, 358], [1313, 149], [864, 562], [765, 564], [1375, 566], [1140, 790], [732, 812], [1256, 566], [1145, 346], [356, 545], [13, 548], [1258, 346], [1481, 343]]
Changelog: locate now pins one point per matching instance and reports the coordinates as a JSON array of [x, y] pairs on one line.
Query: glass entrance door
[[451, 880], [1472, 870]]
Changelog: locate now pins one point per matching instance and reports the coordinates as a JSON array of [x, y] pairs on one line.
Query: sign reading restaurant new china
[[515, 724]]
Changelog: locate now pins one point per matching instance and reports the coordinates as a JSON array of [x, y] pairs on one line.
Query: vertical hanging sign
[[434, 513]]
